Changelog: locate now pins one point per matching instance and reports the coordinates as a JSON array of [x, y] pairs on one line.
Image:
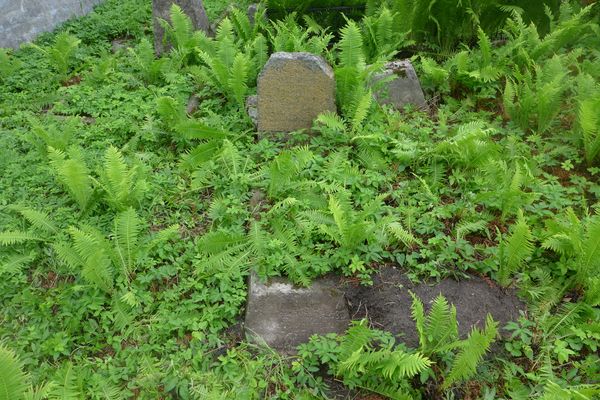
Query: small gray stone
[[120, 44], [293, 89], [252, 109], [284, 316], [252, 10], [161, 9], [403, 89], [192, 104]]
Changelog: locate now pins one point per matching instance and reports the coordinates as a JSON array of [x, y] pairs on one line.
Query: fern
[[179, 32], [66, 386], [382, 40], [436, 329], [13, 263], [49, 135], [472, 351], [10, 238], [126, 234], [589, 123], [37, 219], [402, 235], [465, 228], [578, 242], [150, 69], [73, 174], [360, 357], [533, 99], [60, 55], [515, 249], [8, 65], [13, 381], [228, 65], [94, 255], [123, 187], [287, 35], [170, 111]]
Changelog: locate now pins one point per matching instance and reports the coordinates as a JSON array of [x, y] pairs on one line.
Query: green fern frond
[[162, 236], [465, 228], [402, 235], [36, 218], [517, 248], [351, 46], [238, 78], [217, 241], [361, 110], [73, 174], [15, 263], [127, 227], [417, 311], [61, 53], [66, 386], [94, 252], [472, 351], [190, 129], [68, 255], [170, 111], [589, 122], [590, 257], [332, 121], [13, 381], [200, 154], [440, 325], [181, 28], [9, 238]]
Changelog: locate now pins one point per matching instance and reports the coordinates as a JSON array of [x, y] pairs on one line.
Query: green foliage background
[[129, 223]]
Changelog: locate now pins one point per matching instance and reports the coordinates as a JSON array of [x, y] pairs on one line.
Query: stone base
[[283, 316]]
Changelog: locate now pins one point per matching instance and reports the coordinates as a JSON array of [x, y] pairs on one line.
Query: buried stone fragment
[[402, 88], [283, 316], [161, 10]]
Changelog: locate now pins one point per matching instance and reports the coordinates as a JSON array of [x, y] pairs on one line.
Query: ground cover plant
[[130, 220]]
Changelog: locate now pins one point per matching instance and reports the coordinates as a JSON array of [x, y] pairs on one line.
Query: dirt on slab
[[387, 303]]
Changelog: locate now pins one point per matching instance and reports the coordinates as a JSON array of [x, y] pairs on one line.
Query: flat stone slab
[[387, 303], [403, 89], [293, 89], [283, 315], [22, 21]]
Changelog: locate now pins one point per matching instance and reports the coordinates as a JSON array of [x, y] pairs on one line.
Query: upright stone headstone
[[403, 88], [284, 316], [161, 9], [293, 89]]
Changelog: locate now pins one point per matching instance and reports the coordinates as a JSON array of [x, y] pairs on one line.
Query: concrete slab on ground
[[283, 315]]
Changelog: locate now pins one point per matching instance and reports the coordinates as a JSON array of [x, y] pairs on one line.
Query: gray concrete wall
[[22, 20]]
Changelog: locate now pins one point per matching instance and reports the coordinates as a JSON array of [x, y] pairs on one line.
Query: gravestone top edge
[[309, 60]]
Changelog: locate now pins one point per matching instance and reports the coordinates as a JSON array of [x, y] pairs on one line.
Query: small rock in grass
[[252, 109]]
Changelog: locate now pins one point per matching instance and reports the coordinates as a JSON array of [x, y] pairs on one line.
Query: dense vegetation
[[129, 221]]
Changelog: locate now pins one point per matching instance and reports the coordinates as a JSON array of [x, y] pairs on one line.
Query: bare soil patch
[[387, 303]]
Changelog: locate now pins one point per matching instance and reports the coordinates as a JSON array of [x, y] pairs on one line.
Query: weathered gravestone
[[403, 88], [284, 316], [161, 9], [293, 89]]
